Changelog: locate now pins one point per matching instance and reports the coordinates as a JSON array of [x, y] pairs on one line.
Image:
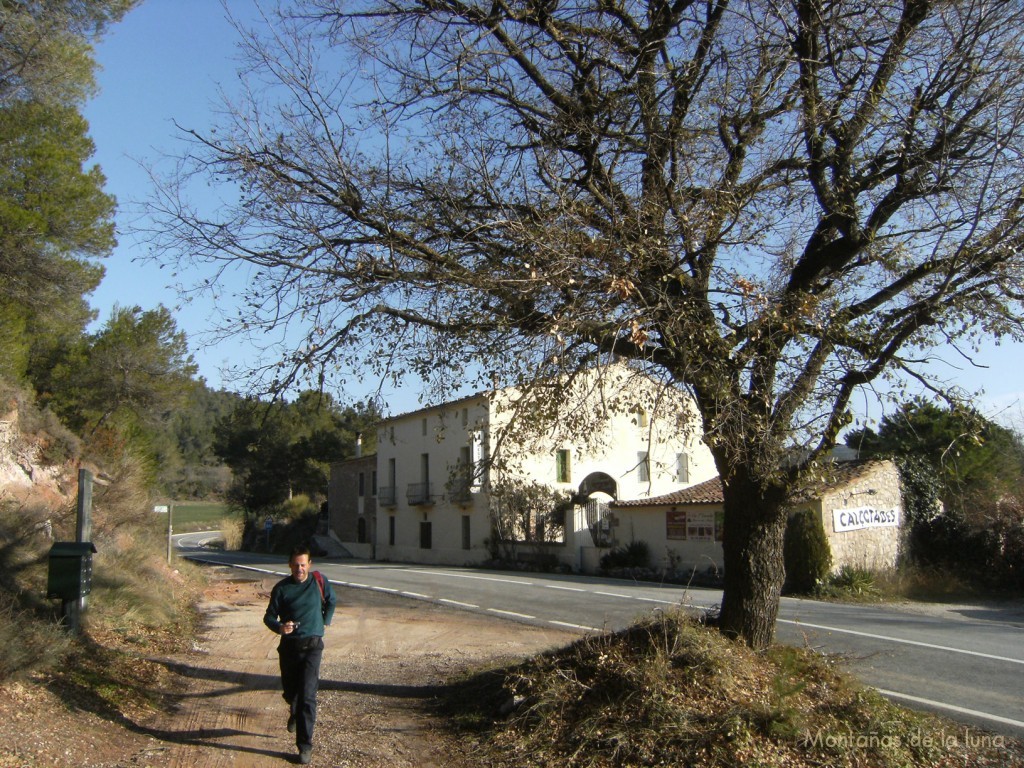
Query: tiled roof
[[708, 492]]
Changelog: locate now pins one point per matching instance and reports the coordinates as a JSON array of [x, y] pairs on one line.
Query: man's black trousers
[[300, 677]]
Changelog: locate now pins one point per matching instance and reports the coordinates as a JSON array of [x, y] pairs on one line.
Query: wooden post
[[83, 530]]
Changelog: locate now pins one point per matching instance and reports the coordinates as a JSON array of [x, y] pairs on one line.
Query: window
[[387, 493], [362, 485], [373, 483], [391, 530], [424, 427], [479, 458], [643, 467], [464, 472], [425, 535], [465, 417], [466, 541], [682, 468], [424, 468], [562, 470], [642, 419]]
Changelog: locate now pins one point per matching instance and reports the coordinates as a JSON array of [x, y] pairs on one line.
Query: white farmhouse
[[433, 491]]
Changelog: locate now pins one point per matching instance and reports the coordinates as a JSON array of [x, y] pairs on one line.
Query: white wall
[[649, 524], [448, 429], [600, 423]]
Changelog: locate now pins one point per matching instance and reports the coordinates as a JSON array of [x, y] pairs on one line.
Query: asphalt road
[[966, 662]]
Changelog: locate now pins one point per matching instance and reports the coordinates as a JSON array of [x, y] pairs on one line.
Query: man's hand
[[288, 627]]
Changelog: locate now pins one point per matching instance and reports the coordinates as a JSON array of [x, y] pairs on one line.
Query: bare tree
[[767, 203]]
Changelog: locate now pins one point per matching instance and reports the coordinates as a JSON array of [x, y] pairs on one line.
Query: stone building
[[352, 504]]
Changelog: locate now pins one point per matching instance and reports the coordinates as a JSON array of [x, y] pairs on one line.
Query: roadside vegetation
[[669, 691], [139, 605]]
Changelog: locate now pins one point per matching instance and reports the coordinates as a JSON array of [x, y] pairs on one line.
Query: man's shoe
[[291, 723], [305, 755]]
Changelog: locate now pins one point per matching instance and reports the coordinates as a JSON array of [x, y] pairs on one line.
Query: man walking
[[300, 606]]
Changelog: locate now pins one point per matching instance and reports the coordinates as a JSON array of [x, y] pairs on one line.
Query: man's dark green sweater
[[294, 601]]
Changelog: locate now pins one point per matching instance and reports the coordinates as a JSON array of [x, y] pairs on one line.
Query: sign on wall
[[864, 517], [695, 525], [675, 524]]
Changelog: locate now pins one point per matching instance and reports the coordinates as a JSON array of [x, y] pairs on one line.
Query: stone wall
[[870, 505]]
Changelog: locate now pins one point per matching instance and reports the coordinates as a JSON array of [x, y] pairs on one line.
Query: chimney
[[359, 444]]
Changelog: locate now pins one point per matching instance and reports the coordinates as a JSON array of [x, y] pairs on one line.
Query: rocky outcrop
[[24, 479]]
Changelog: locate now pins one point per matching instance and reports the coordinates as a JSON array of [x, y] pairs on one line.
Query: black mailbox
[[70, 570]]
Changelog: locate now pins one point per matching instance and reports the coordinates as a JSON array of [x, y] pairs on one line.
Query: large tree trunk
[[754, 566]]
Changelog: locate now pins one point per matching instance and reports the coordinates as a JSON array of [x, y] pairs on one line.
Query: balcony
[[386, 496], [460, 488], [419, 494]]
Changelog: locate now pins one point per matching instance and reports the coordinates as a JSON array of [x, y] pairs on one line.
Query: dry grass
[[135, 593], [924, 584], [233, 530], [670, 692]]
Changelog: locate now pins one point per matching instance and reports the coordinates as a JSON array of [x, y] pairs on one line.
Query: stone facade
[[352, 503], [862, 514]]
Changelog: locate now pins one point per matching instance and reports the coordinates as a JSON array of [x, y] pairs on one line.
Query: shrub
[[636, 554], [806, 552], [852, 584]]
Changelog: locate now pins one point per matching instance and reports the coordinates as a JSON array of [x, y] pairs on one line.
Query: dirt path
[[384, 659]]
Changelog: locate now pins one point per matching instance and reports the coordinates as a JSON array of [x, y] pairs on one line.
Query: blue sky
[[161, 64], [164, 63]]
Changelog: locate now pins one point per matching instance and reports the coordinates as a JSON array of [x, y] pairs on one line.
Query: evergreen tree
[[975, 460]]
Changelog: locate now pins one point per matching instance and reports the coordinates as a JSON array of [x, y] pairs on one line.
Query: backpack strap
[[319, 579]]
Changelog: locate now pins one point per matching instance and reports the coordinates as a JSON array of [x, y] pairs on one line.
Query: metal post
[[170, 530], [74, 609]]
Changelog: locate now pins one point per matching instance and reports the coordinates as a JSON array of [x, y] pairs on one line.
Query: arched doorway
[[599, 482], [595, 492]]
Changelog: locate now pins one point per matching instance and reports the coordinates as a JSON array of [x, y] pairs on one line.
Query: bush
[[636, 554], [295, 524], [806, 553], [851, 584]]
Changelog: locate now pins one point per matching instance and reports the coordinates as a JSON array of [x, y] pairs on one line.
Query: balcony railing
[[460, 490], [419, 494], [386, 496]]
